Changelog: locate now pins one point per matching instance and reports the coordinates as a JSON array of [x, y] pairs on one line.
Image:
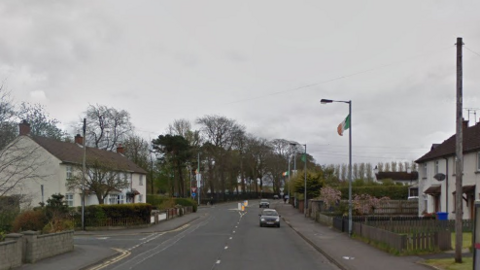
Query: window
[[69, 172], [140, 181], [112, 199], [140, 198], [121, 199], [435, 168], [69, 199]]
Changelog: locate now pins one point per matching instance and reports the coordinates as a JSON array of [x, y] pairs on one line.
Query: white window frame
[[121, 198], [425, 170], [436, 166], [112, 199], [69, 170], [69, 199], [140, 180], [140, 198]]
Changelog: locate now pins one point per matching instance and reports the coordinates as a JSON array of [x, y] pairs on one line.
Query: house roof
[[471, 142], [397, 176], [73, 153]]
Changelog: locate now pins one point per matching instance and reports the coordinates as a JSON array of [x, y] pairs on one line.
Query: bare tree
[[20, 163], [106, 127], [400, 167], [222, 135], [101, 178], [8, 127], [40, 122], [394, 166], [369, 171]]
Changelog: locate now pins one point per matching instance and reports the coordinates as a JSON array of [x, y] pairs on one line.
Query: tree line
[[229, 159]]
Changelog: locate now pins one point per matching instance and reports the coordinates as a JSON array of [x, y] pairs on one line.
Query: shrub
[[186, 202], [393, 192], [2, 236], [58, 225], [30, 220]]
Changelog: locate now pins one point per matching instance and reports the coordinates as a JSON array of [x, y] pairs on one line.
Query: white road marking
[[231, 238], [218, 261], [102, 238], [226, 247], [348, 258], [233, 231]]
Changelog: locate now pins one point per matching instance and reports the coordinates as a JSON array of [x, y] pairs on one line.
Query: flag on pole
[[344, 126], [284, 173]]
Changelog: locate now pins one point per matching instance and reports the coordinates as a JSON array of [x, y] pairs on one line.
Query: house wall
[[54, 177], [46, 167], [471, 176]]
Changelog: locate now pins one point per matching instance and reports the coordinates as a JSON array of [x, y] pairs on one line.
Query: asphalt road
[[222, 238]]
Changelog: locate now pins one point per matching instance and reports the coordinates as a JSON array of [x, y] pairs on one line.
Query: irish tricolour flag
[[344, 126]]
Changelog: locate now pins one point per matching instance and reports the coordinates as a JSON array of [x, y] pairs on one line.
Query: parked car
[[269, 217], [275, 197], [264, 203]]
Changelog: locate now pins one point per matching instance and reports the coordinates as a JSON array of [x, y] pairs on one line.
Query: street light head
[[326, 101]]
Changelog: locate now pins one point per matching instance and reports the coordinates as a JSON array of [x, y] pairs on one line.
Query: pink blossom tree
[[365, 204], [330, 196]]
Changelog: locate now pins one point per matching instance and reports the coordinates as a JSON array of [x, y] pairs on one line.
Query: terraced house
[[37, 167], [437, 175]]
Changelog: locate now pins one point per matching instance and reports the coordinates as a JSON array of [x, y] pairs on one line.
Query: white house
[[43, 166], [439, 163]]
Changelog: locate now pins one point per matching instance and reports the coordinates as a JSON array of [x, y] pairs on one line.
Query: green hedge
[[159, 201], [393, 192], [98, 213]]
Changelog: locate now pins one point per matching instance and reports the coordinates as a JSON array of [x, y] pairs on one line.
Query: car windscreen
[[270, 213]]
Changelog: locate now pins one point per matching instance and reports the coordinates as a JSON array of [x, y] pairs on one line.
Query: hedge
[[102, 212], [158, 201], [393, 192]]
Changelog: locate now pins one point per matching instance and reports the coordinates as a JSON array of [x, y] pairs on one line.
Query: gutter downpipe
[[446, 184]]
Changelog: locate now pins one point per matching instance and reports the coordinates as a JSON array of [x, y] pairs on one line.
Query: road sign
[[281, 193], [281, 189], [194, 189], [194, 194]]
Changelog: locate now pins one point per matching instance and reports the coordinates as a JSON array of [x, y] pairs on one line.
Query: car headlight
[[278, 219], [262, 219]]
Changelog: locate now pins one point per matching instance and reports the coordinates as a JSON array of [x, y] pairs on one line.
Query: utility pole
[[84, 169], [459, 157], [198, 178]]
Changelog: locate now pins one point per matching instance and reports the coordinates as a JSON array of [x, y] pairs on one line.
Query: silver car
[[269, 217]]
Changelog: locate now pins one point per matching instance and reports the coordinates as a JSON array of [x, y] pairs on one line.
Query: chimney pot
[[120, 149], [24, 128], [79, 139], [465, 124]]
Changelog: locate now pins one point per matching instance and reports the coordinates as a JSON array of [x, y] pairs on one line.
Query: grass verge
[[450, 264]]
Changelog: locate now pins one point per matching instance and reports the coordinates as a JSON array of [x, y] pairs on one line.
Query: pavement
[[349, 253], [87, 256], [341, 250]]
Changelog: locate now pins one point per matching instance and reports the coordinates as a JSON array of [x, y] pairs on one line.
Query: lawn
[[466, 242], [449, 264]]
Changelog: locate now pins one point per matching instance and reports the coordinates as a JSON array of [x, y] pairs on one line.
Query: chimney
[[24, 128], [120, 149], [465, 124], [79, 139]]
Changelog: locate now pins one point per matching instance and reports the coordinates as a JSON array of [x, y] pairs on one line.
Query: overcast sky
[[265, 64]]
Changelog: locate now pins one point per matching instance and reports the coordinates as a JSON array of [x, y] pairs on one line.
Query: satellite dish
[[439, 176]]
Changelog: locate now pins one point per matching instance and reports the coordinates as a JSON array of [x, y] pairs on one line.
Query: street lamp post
[[349, 102], [305, 180]]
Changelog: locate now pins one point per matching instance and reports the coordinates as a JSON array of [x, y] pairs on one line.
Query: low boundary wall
[[30, 247]]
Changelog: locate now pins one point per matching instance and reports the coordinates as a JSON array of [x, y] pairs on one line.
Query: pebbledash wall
[[29, 247]]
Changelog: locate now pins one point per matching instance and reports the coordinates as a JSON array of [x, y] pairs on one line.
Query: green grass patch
[[466, 240], [450, 264]]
